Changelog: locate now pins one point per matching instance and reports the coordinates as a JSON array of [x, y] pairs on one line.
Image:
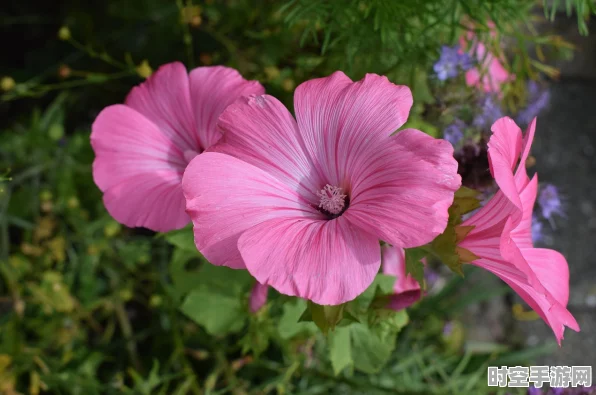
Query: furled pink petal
[[258, 296], [406, 290], [339, 119], [401, 189], [139, 169], [261, 131], [522, 233], [552, 312], [328, 262], [504, 147], [501, 236], [226, 196], [143, 147], [212, 89], [164, 99]]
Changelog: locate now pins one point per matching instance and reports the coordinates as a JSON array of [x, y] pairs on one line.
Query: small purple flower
[[534, 391], [447, 328], [557, 391], [454, 133], [538, 99], [549, 201], [452, 58], [537, 235], [490, 111], [431, 277]]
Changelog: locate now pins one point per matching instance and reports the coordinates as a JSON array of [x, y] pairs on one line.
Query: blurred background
[[88, 306]]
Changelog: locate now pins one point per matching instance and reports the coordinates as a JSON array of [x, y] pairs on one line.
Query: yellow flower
[[64, 33], [288, 84], [271, 72], [72, 202], [144, 69], [57, 247], [188, 15], [111, 229], [7, 84]]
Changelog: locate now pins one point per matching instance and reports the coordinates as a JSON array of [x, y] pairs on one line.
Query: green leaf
[[444, 246], [373, 344], [381, 285], [340, 349], [182, 238], [465, 201], [217, 298], [183, 278], [218, 312], [414, 265], [326, 317], [420, 90], [289, 325]]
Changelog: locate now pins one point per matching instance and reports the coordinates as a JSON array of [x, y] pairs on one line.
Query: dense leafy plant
[[89, 306]]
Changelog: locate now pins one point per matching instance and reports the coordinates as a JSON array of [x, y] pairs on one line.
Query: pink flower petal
[[261, 131], [212, 89], [490, 74], [552, 312], [402, 188], [502, 233], [165, 100], [522, 234], [406, 289], [258, 297], [339, 118], [328, 262], [139, 169], [504, 147], [225, 196]]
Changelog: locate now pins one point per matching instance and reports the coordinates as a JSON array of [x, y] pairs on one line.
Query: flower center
[[332, 200]]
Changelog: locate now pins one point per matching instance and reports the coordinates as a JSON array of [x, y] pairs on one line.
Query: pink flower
[[502, 237], [143, 146], [406, 290], [490, 74], [302, 204], [258, 297]]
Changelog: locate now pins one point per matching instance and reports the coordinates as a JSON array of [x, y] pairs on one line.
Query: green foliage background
[[90, 307]]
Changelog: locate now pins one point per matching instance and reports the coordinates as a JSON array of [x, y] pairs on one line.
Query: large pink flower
[[303, 203], [143, 146], [406, 290], [502, 238], [489, 75]]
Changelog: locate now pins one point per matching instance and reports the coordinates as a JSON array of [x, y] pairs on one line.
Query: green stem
[[126, 328]]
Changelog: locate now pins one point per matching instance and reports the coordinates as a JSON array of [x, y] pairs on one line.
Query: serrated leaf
[[306, 316], [382, 284], [185, 279], [289, 326], [462, 231], [414, 265], [373, 343], [466, 255], [326, 317], [218, 312], [465, 201], [340, 349], [444, 246]]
